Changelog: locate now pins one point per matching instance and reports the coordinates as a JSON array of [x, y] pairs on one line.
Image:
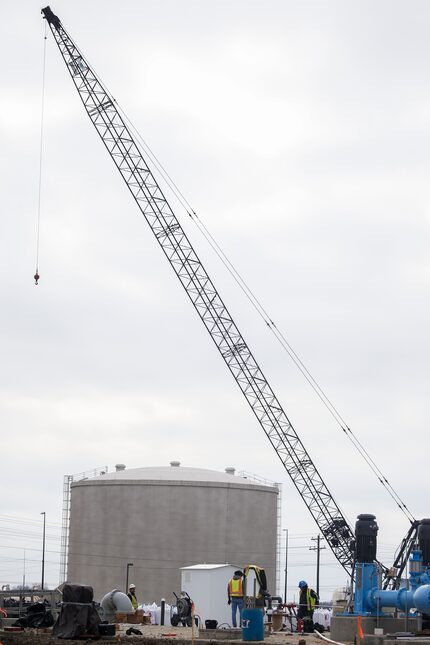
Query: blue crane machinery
[[118, 139]]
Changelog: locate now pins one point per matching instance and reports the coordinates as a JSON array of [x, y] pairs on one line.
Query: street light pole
[[286, 565], [129, 564], [43, 549]]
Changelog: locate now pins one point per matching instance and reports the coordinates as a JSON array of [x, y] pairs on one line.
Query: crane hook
[[36, 278]]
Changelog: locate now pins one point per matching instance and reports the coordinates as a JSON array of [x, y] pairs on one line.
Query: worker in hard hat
[[308, 599], [235, 597], [132, 595]]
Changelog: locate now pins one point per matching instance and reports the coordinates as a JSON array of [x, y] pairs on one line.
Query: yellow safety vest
[[133, 599], [235, 588], [310, 600]]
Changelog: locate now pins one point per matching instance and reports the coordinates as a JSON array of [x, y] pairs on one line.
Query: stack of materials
[[323, 617], [154, 613], [78, 614], [134, 618]]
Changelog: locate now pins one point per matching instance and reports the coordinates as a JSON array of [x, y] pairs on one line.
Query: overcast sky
[[299, 132]]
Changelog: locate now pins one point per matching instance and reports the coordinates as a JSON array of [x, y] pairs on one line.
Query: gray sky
[[299, 131]]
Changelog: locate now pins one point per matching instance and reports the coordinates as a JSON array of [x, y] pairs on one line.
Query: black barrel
[[424, 540], [366, 530]]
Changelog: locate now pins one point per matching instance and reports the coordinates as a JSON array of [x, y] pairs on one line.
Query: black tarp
[[78, 593], [37, 616], [77, 617]]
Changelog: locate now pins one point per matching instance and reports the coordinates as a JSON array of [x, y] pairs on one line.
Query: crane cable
[[259, 308], [42, 114], [280, 337]]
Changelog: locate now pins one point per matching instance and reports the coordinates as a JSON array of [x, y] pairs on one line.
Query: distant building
[[164, 518]]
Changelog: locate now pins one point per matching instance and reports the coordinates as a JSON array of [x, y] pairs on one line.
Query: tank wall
[[161, 527]]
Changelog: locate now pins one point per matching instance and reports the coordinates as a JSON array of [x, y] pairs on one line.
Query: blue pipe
[[403, 599], [369, 599], [422, 599]]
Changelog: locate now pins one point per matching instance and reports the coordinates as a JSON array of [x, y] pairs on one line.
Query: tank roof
[[206, 567], [176, 473]]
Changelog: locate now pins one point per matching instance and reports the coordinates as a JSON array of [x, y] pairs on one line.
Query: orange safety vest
[[235, 588]]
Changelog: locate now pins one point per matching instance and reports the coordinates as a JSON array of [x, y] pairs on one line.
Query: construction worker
[[132, 595], [307, 601], [235, 597]]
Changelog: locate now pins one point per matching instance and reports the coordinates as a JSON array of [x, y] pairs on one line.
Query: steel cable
[[264, 315], [42, 115]]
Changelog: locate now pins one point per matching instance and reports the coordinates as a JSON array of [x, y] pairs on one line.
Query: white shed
[[207, 586]]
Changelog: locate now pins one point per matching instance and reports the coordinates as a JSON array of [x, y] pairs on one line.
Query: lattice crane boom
[[121, 146]]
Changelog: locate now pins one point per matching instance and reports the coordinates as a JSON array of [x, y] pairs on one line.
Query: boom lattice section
[[119, 142]]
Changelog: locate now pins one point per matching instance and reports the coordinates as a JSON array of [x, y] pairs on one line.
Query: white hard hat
[[132, 587]]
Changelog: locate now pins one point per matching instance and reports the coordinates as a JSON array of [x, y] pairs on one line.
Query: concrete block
[[345, 628], [221, 634]]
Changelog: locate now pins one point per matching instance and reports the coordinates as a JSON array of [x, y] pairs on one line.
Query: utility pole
[[43, 549], [317, 548], [286, 564]]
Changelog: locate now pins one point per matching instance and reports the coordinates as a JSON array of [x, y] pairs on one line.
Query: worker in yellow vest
[[235, 597], [132, 596], [307, 601]]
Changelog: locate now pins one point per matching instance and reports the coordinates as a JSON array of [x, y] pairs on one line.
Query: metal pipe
[[115, 601], [286, 565], [278, 599], [403, 599]]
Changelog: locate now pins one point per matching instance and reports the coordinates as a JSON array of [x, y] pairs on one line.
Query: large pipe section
[[115, 601], [402, 599], [417, 596], [369, 598]]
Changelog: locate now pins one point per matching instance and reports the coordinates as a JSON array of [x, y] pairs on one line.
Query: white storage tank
[[159, 519]]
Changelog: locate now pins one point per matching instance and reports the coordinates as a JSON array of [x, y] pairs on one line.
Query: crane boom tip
[[50, 16]]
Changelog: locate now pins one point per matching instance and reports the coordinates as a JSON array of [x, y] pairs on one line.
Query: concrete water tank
[[160, 519]]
